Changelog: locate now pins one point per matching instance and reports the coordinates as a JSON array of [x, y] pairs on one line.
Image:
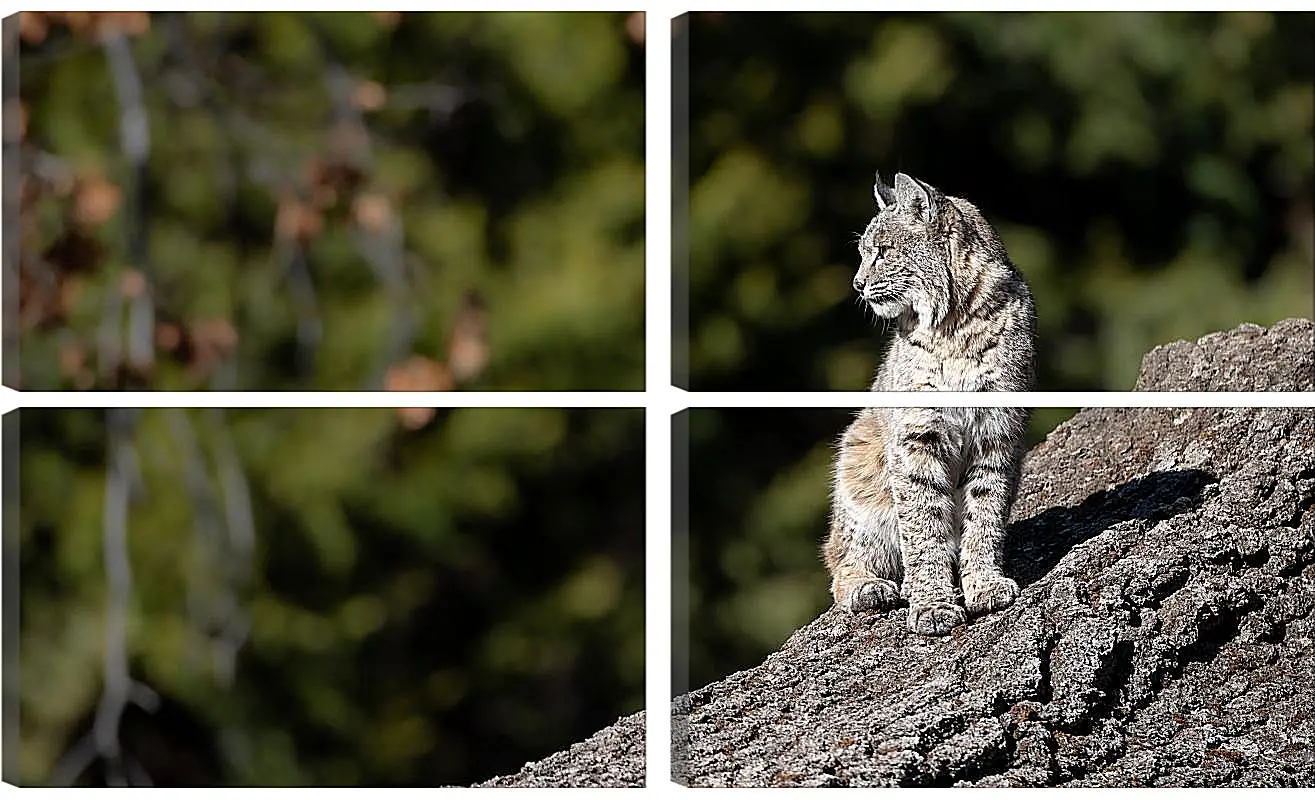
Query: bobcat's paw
[[991, 594], [876, 594], [935, 619]]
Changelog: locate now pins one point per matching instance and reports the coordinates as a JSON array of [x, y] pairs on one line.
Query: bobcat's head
[[903, 258]]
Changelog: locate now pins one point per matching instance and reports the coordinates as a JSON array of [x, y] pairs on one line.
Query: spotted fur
[[921, 496]]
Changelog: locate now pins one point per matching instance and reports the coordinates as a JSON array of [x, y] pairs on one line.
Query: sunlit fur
[[921, 496], [964, 318]]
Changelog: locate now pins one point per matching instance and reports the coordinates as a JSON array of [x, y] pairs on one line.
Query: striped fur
[[964, 317], [921, 496]]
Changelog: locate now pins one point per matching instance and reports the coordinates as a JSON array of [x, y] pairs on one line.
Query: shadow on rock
[[1036, 544]]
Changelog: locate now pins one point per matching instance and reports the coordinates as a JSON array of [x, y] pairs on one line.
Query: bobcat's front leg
[[989, 486], [862, 551], [855, 585], [920, 453]]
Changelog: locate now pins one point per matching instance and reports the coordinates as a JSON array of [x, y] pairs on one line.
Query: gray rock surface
[[1248, 358], [611, 758], [1165, 635]]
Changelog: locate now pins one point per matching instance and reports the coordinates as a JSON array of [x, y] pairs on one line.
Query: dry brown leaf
[[388, 19], [79, 22], [211, 341], [635, 27], [33, 26], [417, 374], [369, 96], [468, 350], [132, 283], [93, 24], [372, 212], [95, 200], [70, 289], [130, 23], [215, 333], [168, 336], [414, 419], [296, 221], [72, 359]]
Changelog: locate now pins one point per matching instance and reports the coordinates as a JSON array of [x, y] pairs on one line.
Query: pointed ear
[[917, 196], [884, 194]]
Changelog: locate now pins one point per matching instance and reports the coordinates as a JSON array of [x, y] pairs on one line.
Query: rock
[[613, 757], [1165, 634], [1245, 359]]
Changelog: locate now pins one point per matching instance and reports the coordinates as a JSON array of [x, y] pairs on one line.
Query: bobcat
[[919, 491]]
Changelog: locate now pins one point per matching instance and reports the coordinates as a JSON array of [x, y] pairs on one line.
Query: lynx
[[919, 493]]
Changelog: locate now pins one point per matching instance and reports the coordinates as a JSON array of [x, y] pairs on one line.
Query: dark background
[[1151, 175], [759, 483], [419, 604], [419, 201]]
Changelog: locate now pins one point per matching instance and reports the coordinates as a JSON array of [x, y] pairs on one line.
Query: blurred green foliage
[[1151, 175], [430, 606], [327, 195], [759, 503]]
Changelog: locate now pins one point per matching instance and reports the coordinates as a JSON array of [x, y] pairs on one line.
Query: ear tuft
[[918, 197], [884, 194]]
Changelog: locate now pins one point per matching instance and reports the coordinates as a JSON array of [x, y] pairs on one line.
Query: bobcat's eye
[[879, 251]]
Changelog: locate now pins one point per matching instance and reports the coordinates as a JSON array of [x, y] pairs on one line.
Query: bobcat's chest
[[933, 366], [962, 375], [965, 427]]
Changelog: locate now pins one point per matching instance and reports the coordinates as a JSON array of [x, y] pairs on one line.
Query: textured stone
[[1165, 634], [611, 758], [1248, 358]]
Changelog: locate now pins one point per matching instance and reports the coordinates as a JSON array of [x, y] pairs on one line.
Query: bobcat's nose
[[858, 284]]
